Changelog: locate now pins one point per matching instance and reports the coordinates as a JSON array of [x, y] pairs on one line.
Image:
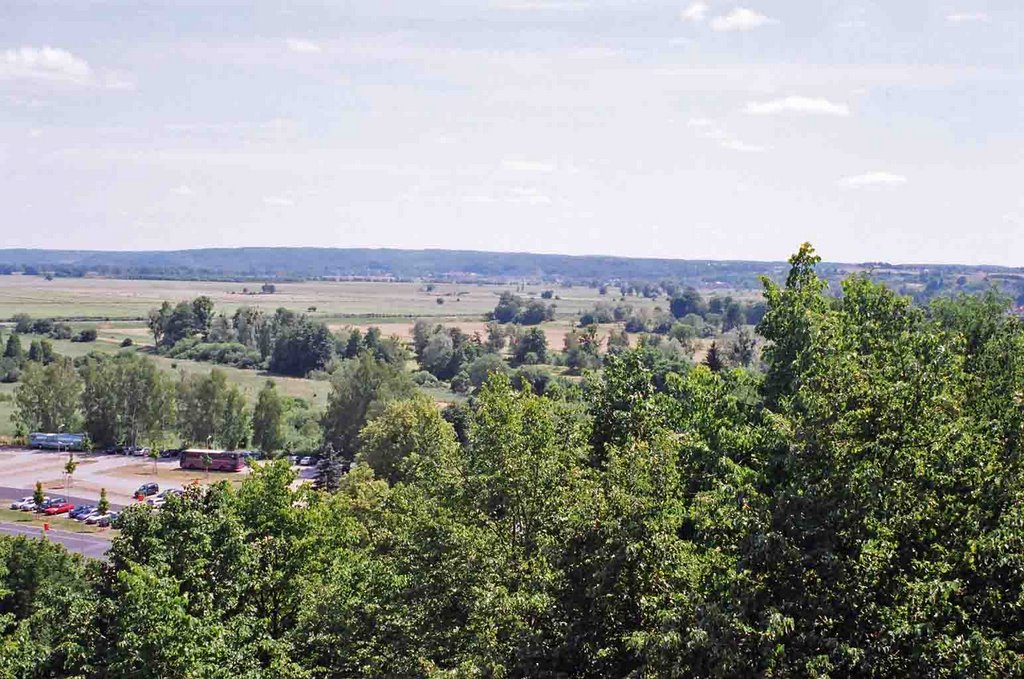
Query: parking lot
[[119, 474]]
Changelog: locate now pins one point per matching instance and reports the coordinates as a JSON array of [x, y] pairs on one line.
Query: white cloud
[[798, 105], [529, 166], [700, 123], [302, 46], [696, 12], [869, 179], [967, 17], [741, 19], [183, 190], [278, 201], [44, 63], [709, 129], [545, 5], [528, 196], [742, 147], [55, 65]]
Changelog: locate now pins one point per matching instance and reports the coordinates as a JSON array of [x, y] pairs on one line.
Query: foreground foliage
[[856, 511]]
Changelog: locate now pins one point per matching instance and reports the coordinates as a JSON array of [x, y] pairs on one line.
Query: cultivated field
[[110, 299], [116, 308]]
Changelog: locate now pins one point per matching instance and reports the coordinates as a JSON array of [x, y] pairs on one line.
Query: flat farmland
[[352, 301]]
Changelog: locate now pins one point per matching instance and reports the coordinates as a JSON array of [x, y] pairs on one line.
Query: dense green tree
[[22, 323], [14, 350], [531, 348], [404, 436], [743, 349], [235, 425], [302, 347], [480, 370], [330, 469], [508, 307], [359, 389], [583, 349], [47, 398], [127, 399], [201, 402], [688, 302], [41, 351], [268, 432], [713, 358], [202, 314]]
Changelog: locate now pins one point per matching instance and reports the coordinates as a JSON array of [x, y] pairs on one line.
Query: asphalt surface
[[86, 544]]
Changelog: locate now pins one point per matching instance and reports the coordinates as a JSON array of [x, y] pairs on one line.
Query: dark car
[[171, 452], [52, 502], [145, 490], [110, 519], [82, 510]]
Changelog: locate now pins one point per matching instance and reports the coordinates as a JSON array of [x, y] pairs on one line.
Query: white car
[[96, 517], [30, 506], [160, 499], [18, 504], [85, 518]]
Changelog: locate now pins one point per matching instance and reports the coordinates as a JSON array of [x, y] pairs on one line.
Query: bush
[[223, 353], [425, 379], [61, 331], [86, 335], [480, 370], [460, 383]]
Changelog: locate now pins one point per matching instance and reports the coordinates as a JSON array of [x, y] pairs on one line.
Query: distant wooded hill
[[460, 265]]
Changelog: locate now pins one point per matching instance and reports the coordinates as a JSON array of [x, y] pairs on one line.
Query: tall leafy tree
[[359, 390], [268, 419], [48, 396]]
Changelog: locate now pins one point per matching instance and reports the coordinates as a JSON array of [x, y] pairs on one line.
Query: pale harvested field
[[101, 298]]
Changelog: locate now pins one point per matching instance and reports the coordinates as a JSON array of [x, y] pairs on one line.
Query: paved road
[[17, 493], [86, 544]]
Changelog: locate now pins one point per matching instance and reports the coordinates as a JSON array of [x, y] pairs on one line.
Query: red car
[[62, 508]]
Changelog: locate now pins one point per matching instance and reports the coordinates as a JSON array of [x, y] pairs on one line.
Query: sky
[[878, 130]]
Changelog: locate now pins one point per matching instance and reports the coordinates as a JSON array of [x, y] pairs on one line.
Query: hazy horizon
[[680, 130]]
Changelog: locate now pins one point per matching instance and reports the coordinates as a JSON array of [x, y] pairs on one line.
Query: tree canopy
[[854, 511]]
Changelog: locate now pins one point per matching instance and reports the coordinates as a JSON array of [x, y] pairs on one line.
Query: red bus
[[220, 460]]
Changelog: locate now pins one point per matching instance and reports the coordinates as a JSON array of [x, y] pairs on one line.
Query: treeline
[[707, 317], [125, 399], [854, 511], [284, 342], [13, 355], [14, 358]]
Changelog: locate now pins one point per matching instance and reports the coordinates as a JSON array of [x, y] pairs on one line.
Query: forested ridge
[[856, 509]]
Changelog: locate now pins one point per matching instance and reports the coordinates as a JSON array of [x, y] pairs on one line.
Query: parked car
[[58, 508], [145, 490], [171, 452], [49, 503], [84, 517], [22, 503], [30, 506], [81, 511], [108, 519], [96, 517]]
